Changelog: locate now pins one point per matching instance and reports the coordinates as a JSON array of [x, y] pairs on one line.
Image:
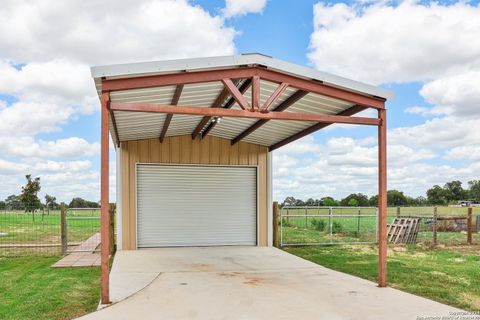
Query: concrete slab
[[248, 283]]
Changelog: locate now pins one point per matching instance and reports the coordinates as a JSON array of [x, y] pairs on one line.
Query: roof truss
[[234, 93], [299, 94], [243, 88], [238, 73]]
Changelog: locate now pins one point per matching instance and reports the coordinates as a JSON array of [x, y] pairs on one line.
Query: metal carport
[[252, 98]]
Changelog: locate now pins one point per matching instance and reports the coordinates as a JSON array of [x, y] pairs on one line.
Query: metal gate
[[82, 229], [309, 225]]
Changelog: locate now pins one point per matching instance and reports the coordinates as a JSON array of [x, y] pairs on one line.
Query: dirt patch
[[472, 299], [202, 267], [231, 274], [255, 282]]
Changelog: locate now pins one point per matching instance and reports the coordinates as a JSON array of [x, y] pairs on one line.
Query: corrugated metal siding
[[162, 95], [200, 94], [138, 125], [196, 205], [276, 130], [315, 103]]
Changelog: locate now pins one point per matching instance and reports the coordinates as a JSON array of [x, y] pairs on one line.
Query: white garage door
[[196, 205]]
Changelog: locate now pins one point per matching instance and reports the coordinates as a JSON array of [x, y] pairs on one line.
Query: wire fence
[[39, 232], [310, 225], [327, 225]]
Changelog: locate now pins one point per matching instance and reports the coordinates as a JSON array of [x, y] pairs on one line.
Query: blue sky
[[427, 53]]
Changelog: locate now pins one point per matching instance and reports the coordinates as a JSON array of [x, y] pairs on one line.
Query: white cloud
[[45, 55], [241, 7], [112, 31], [301, 146], [428, 112], [347, 165], [458, 94], [448, 132], [384, 42], [471, 152]]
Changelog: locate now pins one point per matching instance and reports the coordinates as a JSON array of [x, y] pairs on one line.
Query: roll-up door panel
[[196, 205]]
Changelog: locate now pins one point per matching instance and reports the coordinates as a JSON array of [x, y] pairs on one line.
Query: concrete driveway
[[248, 283]]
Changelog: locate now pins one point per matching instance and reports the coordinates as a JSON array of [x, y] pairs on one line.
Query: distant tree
[[3, 206], [29, 197], [474, 190], [82, 203], [310, 202], [361, 199], [420, 201], [13, 202], [329, 202], [373, 201], [299, 203], [50, 202], [352, 202], [289, 201], [454, 191], [396, 198], [436, 195]]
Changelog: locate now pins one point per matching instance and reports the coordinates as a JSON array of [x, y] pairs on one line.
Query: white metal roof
[[225, 62], [139, 125]]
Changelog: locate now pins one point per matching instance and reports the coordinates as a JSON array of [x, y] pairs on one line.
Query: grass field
[[449, 275], [30, 289]]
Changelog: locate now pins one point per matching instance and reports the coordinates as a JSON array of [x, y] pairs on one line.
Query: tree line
[[450, 193], [29, 201]]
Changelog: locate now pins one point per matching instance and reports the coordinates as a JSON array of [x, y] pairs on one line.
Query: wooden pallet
[[403, 230]]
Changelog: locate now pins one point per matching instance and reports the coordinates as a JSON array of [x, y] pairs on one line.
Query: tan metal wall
[[184, 150]]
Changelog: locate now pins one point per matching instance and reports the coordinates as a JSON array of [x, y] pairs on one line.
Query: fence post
[[111, 239], [398, 212], [306, 217], [358, 223], [63, 228], [469, 225], [435, 215], [281, 228], [330, 222], [275, 224]]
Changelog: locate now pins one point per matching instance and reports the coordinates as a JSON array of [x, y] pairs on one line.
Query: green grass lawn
[[30, 289], [448, 275]]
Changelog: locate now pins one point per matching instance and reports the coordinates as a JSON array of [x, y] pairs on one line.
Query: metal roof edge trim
[[197, 64]]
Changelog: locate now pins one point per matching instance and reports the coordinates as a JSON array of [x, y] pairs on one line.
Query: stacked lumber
[[403, 230]]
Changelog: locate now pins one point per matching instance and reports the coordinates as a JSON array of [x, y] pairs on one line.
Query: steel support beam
[[255, 93], [221, 112], [216, 104], [299, 94], [243, 88], [114, 124], [242, 102], [168, 118], [348, 112], [274, 97], [382, 199], [104, 201]]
